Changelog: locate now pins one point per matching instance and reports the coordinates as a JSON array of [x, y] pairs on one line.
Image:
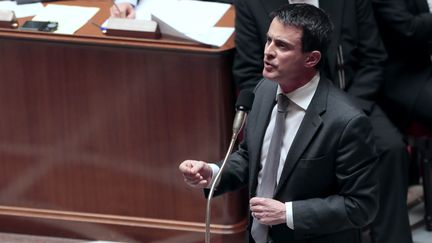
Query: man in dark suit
[[406, 28], [354, 62], [326, 187]]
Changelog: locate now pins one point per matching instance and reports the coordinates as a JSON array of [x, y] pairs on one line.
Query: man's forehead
[[278, 28], [279, 23]]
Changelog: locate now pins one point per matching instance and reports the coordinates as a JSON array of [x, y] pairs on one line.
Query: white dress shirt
[[430, 5], [300, 100]]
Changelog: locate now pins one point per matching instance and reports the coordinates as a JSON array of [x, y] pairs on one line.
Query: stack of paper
[[189, 20]]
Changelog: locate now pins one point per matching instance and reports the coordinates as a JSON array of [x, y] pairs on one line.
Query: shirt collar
[[303, 95]]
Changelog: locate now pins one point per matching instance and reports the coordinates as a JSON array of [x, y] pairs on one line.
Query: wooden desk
[[92, 130]]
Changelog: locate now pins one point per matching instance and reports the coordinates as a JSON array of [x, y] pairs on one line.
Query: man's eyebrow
[[283, 41]]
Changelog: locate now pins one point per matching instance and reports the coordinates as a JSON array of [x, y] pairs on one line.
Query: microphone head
[[245, 100]]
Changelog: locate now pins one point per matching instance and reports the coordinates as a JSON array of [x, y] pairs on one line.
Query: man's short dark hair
[[314, 22]]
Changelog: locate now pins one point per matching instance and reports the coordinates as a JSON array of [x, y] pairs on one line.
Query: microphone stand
[[239, 121]]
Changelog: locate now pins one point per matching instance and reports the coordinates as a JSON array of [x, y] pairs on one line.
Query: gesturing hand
[[196, 173], [122, 10], [268, 211]]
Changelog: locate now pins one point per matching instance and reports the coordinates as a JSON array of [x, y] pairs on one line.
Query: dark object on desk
[[45, 26], [135, 28], [31, 1], [8, 19]]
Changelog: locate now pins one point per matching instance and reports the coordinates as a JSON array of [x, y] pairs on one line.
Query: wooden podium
[[93, 128]]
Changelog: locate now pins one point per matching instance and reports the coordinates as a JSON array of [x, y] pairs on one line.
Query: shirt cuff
[[215, 170], [289, 215]]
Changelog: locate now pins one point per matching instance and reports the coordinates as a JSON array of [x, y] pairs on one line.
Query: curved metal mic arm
[[240, 118]]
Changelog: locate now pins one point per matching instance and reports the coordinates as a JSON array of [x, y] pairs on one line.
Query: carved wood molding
[[122, 220]]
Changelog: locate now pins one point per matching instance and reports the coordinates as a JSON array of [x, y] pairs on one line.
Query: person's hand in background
[[123, 10]]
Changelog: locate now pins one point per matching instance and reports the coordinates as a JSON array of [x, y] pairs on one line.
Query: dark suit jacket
[[406, 28], [355, 32], [328, 173]]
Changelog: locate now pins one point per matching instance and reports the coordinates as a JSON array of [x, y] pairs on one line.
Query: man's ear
[[312, 59]]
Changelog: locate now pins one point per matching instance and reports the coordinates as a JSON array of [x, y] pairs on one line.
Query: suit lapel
[[310, 125], [263, 116]]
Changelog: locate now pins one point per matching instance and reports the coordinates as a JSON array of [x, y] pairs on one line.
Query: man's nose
[[269, 51]]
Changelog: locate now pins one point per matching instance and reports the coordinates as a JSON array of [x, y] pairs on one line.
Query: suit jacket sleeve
[[236, 172], [396, 16], [354, 204], [368, 56], [247, 68]]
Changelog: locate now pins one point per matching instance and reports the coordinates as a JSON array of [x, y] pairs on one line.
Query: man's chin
[[268, 75]]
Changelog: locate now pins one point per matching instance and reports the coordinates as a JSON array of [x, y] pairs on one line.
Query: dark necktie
[[269, 175]]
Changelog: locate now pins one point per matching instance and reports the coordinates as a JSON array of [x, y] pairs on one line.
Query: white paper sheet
[[69, 18], [214, 36], [145, 7], [187, 19], [22, 10]]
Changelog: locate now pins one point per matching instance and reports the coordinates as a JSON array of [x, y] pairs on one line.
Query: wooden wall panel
[[91, 136]]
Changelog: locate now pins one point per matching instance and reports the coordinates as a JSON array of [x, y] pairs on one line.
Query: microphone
[[243, 106]]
